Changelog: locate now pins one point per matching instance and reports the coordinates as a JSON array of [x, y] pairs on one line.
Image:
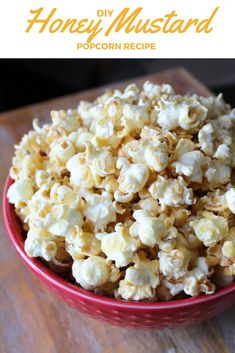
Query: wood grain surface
[[33, 320]]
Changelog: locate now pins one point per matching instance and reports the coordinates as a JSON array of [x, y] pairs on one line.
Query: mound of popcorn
[[132, 195]]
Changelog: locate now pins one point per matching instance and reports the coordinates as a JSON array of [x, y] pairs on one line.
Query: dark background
[[26, 81]]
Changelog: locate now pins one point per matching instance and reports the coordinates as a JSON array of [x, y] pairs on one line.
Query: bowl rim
[[56, 281]]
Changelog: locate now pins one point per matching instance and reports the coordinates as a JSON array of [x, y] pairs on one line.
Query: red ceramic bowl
[[123, 313]]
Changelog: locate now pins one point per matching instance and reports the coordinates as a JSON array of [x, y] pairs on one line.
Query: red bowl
[[119, 312]]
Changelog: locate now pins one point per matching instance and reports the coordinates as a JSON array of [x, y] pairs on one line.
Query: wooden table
[[33, 320]]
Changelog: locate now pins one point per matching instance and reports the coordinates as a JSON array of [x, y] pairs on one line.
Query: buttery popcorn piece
[[190, 164], [210, 229], [61, 151], [230, 198], [175, 263], [118, 246], [80, 244], [150, 230], [20, 192], [188, 114], [81, 174], [171, 192], [134, 117], [91, 272], [197, 280], [40, 244], [133, 177], [205, 138], [218, 173], [228, 249], [153, 153], [140, 280], [100, 210]]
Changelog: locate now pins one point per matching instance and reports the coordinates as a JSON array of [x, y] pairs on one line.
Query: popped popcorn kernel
[[20, 192], [228, 249], [153, 153], [119, 246], [91, 272], [133, 177], [197, 280], [188, 114], [150, 230], [171, 192], [230, 198], [80, 244], [140, 280], [190, 164], [175, 263], [61, 151], [206, 139], [100, 210], [210, 229]]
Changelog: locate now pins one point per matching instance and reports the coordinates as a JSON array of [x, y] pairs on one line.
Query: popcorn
[[150, 205], [40, 244], [66, 120], [222, 152], [171, 192], [169, 242], [197, 280], [27, 157], [174, 287], [130, 93], [58, 219], [114, 107], [190, 164], [41, 177], [118, 246], [100, 211], [150, 230], [101, 163], [154, 154], [133, 193], [61, 151], [65, 195], [123, 198], [175, 263], [218, 173], [232, 152], [88, 112], [153, 91], [80, 244], [91, 272], [221, 278], [110, 184], [81, 138], [184, 145], [216, 106], [214, 201], [81, 174], [188, 114], [205, 138], [230, 199], [168, 116], [133, 177], [134, 117], [228, 249], [210, 229], [140, 280], [20, 193]]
